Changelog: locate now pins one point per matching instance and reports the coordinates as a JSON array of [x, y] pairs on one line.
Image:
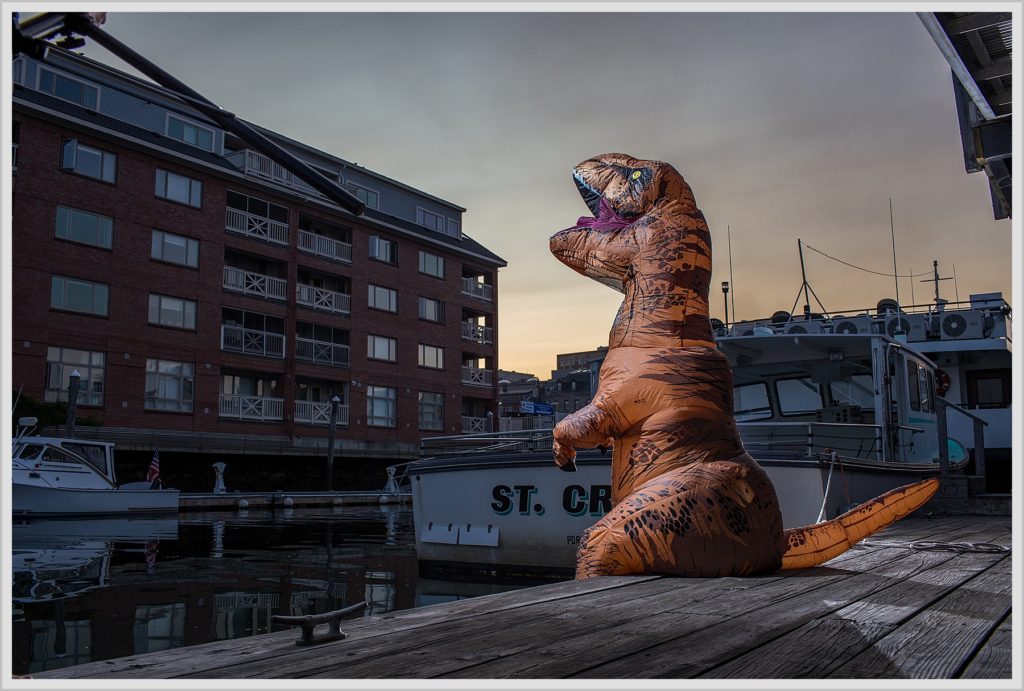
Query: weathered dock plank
[[845, 633], [928, 597], [939, 641], [995, 658]]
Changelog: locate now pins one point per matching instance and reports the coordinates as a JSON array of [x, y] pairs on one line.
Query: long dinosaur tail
[[816, 544]]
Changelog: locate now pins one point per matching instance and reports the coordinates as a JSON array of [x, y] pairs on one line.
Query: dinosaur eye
[[636, 175]]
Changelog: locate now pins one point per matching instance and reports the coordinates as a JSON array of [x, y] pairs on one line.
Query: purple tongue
[[606, 218]]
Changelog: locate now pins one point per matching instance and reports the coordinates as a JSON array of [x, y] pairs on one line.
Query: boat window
[[30, 451], [55, 455], [912, 385], [924, 380], [858, 391], [93, 453], [989, 388], [750, 402], [797, 396]]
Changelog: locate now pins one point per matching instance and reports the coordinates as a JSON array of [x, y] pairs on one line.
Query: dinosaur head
[[619, 190]]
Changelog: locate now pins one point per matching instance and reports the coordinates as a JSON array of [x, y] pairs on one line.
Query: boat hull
[[516, 513], [32, 500]]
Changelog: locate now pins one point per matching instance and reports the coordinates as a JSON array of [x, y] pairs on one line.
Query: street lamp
[[335, 400], [725, 297]]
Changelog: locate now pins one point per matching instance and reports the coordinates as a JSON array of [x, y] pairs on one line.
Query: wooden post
[[940, 418], [335, 400], [69, 422], [979, 447]]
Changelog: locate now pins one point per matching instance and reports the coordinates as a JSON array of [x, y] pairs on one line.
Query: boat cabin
[[863, 396], [56, 453]]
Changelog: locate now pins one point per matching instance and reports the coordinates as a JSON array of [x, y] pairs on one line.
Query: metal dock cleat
[[311, 621]]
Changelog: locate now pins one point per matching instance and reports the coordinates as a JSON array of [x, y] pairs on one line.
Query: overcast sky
[[786, 125]]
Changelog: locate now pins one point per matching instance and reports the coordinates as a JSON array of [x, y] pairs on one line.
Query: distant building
[[513, 389], [567, 362], [214, 303]]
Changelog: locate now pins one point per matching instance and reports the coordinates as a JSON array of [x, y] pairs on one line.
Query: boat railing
[[525, 440], [849, 440], [979, 425]]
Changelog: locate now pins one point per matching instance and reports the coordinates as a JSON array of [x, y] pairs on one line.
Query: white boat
[[55, 475], [834, 419]]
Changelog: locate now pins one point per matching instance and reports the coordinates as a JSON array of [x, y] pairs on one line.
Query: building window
[[381, 348], [169, 311], [189, 132], [84, 227], [798, 396], [169, 385], [383, 250], [18, 71], [381, 406], [431, 264], [76, 295], [381, 298], [179, 188], [88, 161], [431, 310], [176, 249], [431, 356], [430, 219], [431, 411], [69, 89], [454, 228], [364, 194], [257, 207], [61, 362]]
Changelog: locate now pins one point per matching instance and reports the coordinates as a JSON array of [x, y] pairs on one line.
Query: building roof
[[978, 48]]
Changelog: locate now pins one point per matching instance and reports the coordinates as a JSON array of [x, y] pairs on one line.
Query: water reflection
[[95, 589]]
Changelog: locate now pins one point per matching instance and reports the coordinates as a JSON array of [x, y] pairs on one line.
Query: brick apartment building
[[213, 302]]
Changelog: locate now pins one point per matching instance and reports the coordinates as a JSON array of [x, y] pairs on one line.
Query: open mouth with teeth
[[605, 216], [590, 196]]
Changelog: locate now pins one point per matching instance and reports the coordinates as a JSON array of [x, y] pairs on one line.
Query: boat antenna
[[896, 280], [956, 290], [935, 279], [728, 230], [805, 287], [913, 300]]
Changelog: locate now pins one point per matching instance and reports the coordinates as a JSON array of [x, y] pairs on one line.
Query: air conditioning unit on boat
[[813, 326], [745, 328], [912, 325], [851, 325], [962, 324]]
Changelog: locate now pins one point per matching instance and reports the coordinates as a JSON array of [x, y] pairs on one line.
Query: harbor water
[[99, 588]]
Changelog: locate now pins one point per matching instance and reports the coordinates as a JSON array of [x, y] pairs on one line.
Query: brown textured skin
[[689, 500]]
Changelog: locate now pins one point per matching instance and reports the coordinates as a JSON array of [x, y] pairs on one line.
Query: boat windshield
[[94, 454], [28, 451]]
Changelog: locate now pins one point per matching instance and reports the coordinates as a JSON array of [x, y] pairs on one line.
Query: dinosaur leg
[[588, 427], [705, 519]]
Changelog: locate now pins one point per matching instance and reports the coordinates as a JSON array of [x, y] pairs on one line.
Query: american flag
[[153, 478]]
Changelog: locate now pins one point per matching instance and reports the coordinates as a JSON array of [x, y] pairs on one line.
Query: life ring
[[942, 382]]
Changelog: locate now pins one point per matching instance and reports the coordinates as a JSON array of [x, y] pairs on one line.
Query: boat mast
[[895, 278], [732, 283], [935, 279]]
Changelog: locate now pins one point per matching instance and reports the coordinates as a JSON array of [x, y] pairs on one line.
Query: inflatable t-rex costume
[[688, 500]]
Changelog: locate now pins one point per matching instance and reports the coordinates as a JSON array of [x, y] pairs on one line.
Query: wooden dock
[[208, 501], [926, 598]]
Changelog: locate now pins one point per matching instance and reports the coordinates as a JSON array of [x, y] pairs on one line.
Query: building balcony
[[260, 408], [474, 425], [477, 289], [323, 299], [258, 227], [477, 333], [257, 165], [323, 246], [236, 339], [257, 285], [474, 376], [321, 352], [313, 413]]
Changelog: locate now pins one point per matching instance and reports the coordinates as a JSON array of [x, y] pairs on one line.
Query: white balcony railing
[[474, 425], [478, 333], [321, 352], [258, 285], [257, 165], [259, 227], [323, 299], [477, 289], [251, 407], [474, 376], [251, 342], [314, 413], [323, 246]]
